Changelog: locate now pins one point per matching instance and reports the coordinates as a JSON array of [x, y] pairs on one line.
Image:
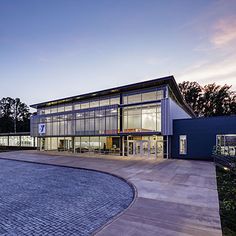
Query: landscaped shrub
[[226, 182]]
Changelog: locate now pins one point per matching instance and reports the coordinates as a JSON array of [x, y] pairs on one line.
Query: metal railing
[[224, 159]]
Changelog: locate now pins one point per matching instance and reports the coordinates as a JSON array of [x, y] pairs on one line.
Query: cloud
[[222, 70], [216, 55], [224, 32]]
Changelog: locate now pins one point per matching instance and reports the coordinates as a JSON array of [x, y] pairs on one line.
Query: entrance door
[[138, 148], [159, 149], [131, 148], [145, 148]]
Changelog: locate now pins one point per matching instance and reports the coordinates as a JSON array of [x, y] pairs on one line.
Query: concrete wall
[[201, 135]]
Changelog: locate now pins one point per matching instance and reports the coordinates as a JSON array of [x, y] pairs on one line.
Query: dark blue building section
[[200, 135]]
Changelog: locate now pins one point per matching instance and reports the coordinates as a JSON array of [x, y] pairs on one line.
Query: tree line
[[14, 116], [208, 100]]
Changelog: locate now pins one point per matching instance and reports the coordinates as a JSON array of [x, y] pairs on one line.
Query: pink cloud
[[225, 32], [221, 71]]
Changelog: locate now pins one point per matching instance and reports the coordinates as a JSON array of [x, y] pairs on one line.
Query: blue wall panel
[[201, 135]]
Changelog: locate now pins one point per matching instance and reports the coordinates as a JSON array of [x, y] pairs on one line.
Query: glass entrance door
[[145, 148], [139, 148], [130, 148]]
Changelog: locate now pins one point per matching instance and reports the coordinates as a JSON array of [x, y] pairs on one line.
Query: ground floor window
[[100, 144], [27, 141], [150, 146], [4, 141], [14, 141], [96, 144], [226, 144], [183, 144]]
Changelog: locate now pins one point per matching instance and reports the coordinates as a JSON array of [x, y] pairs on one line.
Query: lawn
[[226, 182]]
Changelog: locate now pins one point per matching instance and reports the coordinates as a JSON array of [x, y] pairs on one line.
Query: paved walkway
[[174, 197], [37, 199]]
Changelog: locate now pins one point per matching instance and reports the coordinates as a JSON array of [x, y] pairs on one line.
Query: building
[[149, 119], [20, 140], [201, 135], [136, 119]]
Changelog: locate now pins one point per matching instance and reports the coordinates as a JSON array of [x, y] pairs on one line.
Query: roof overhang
[[164, 81]]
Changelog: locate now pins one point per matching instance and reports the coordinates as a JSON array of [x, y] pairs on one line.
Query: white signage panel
[[42, 128]]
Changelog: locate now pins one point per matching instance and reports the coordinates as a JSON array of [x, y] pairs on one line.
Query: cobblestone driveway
[[38, 199]]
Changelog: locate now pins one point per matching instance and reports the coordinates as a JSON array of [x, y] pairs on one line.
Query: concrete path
[[174, 197]]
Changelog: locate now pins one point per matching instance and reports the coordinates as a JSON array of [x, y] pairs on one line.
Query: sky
[[51, 49]]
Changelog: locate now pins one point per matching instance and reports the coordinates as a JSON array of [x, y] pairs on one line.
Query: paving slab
[[174, 197]]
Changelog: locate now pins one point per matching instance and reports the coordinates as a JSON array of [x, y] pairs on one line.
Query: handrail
[[225, 160]]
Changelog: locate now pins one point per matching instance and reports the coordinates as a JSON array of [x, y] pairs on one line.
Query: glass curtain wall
[[27, 141], [90, 103], [98, 144], [143, 96], [24, 141], [3, 140], [143, 118], [56, 144], [84, 122], [99, 121], [14, 140], [226, 144]]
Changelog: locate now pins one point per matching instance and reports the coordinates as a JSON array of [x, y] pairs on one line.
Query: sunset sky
[[56, 48]]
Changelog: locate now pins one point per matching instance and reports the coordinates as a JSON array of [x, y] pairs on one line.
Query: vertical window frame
[[183, 150]]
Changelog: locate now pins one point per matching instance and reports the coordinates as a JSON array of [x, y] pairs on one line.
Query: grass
[[226, 182]]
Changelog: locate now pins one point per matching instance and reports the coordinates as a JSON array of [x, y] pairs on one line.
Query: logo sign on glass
[[42, 128]]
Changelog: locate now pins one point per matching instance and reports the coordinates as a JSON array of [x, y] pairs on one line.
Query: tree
[[210, 100], [14, 116], [6, 119], [218, 100], [192, 93]]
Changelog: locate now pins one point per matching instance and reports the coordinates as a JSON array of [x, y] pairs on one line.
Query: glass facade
[[85, 144], [4, 141], [143, 118], [139, 96], [91, 121], [18, 141], [90, 103], [100, 124], [226, 144]]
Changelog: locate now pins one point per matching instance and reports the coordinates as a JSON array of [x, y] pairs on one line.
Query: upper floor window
[[68, 107], [143, 96]]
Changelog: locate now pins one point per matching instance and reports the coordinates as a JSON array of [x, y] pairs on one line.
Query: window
[[68, 108], [149, 96], [143, 96], [85, 105], [115, 100], [146, 118], [183, 144], [94, 103], [104, 102]]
